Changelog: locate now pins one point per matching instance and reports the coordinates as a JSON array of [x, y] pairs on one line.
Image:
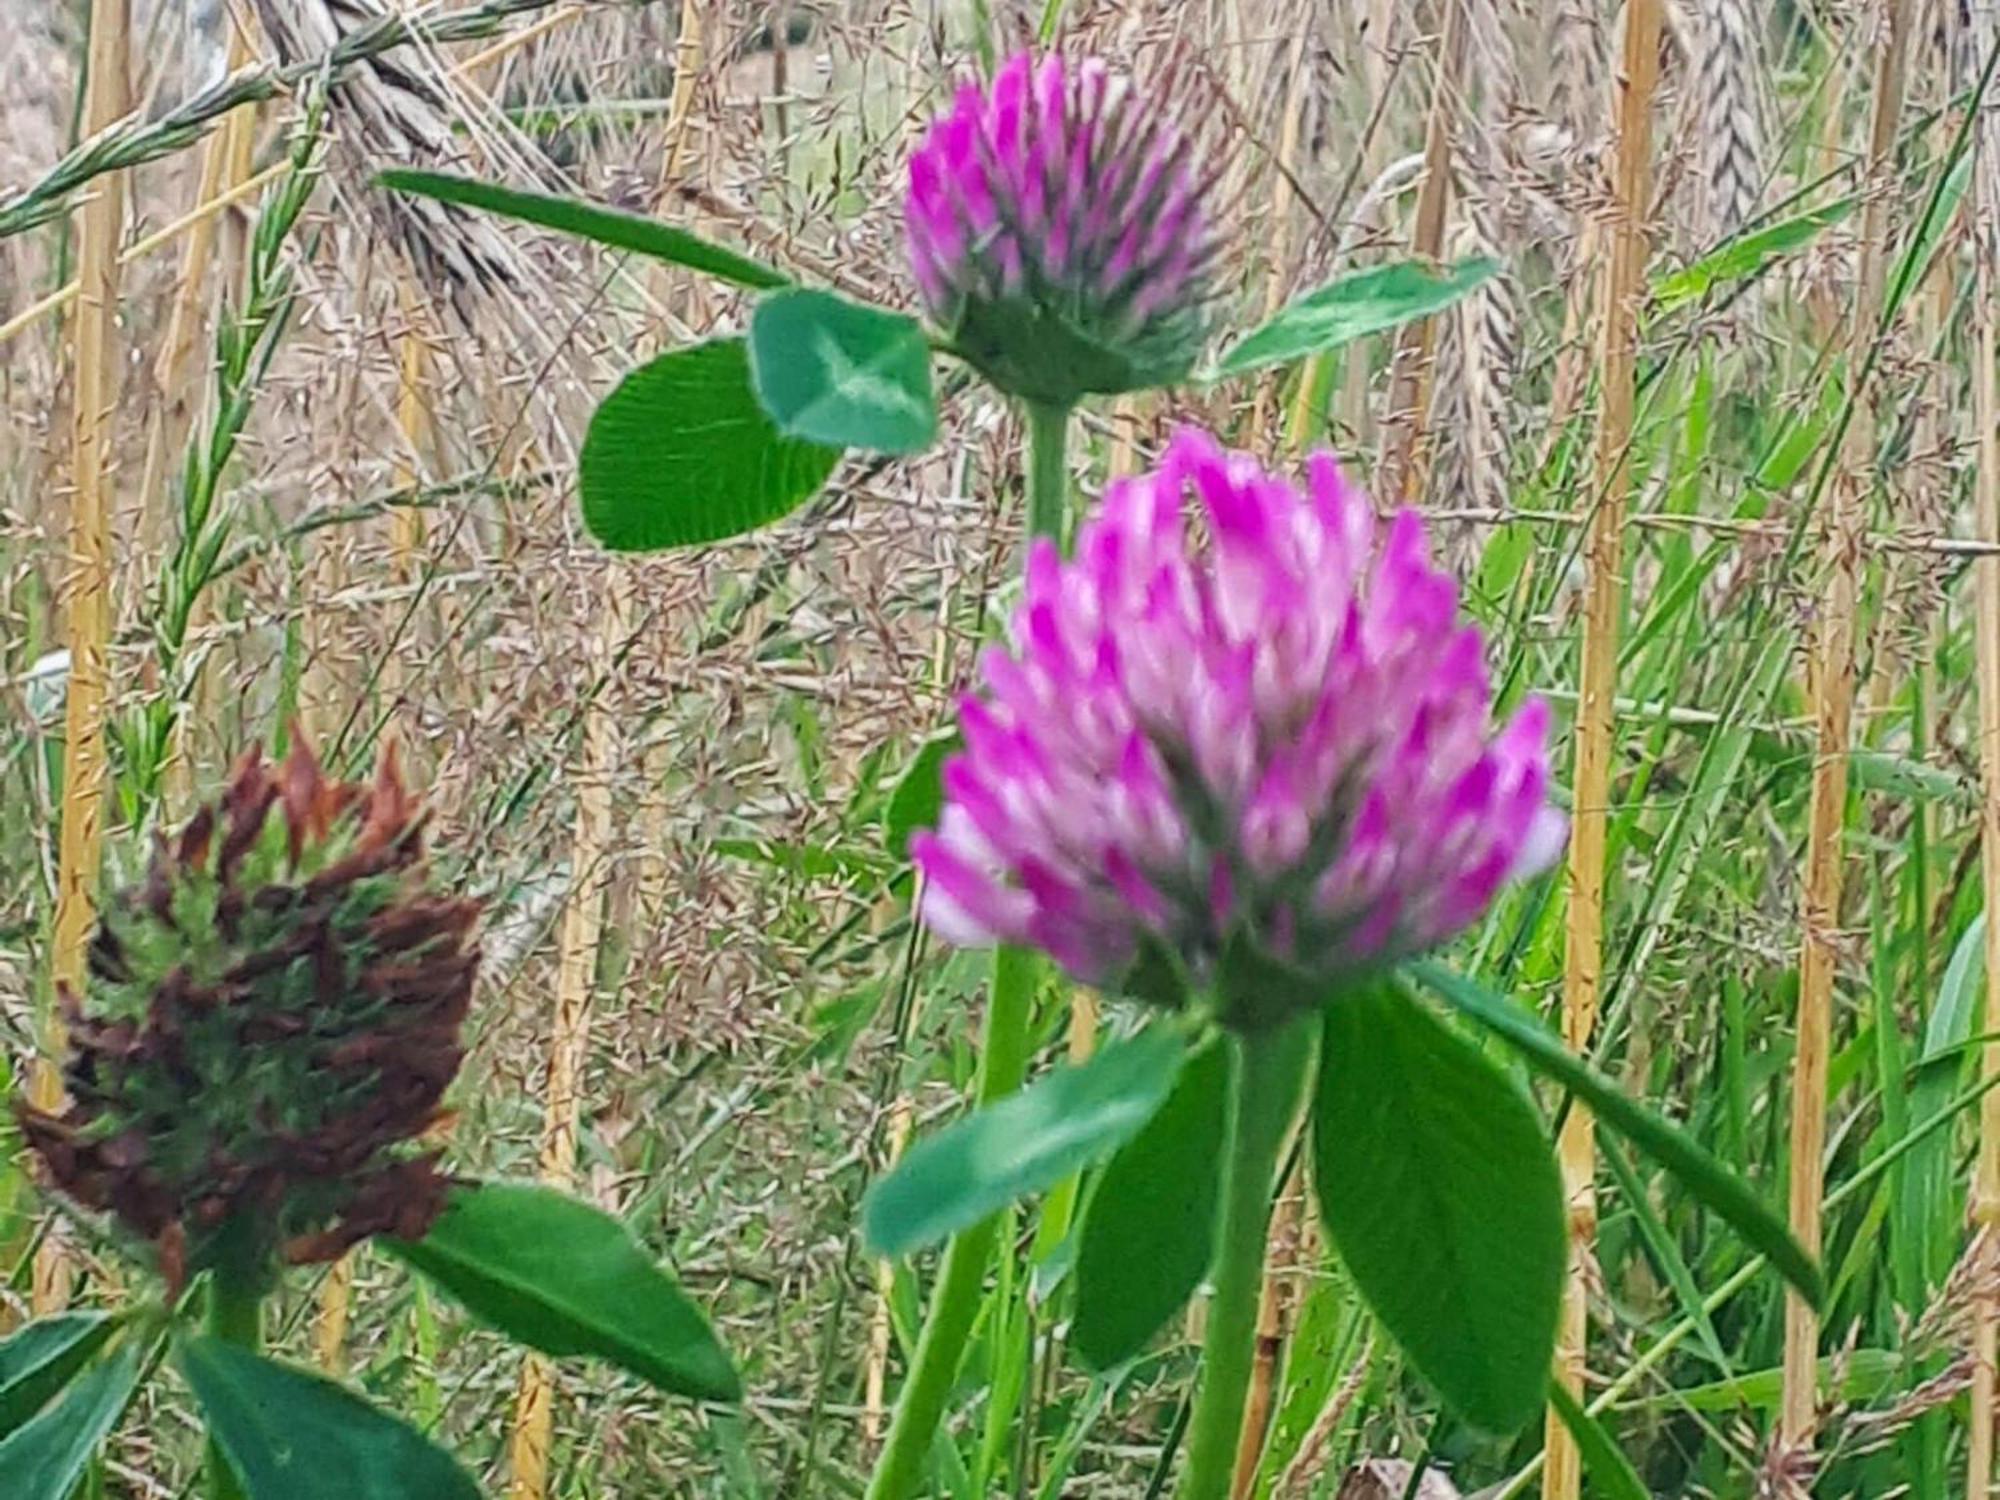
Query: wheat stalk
[[583, 919], [569, 1036], [1618, 310], [1832, 682], [1479, 349], [86, 586], [1983, 35], [1399, 474]]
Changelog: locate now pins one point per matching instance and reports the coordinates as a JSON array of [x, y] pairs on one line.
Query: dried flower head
[[1058, 230], [1277, 744], [271, 1021]]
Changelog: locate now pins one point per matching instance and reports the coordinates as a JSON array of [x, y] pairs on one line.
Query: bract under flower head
[[1058, 232], [1278, 740], [271, 1021]]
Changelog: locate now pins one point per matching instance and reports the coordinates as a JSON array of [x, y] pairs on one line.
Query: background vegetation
[[334, 478]]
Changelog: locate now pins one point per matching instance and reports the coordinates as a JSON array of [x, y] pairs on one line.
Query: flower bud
[[1059, 234]]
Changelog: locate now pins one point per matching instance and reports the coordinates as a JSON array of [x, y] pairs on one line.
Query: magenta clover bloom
[[1057, 231], [1281, 738]]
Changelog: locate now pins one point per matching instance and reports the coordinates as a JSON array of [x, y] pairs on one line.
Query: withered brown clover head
[[270, 1024]]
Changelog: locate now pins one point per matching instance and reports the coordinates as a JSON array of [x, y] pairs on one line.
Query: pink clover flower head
[[1276, 741], [1058, 233]]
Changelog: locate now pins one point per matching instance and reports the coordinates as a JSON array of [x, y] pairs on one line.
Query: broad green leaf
[[1748, 254], [1436, 1179], [1673, 1148], [563, 1277], [293, 1435], [1353, 307], [1149, 1230], [588, 221], [1024, 1144], [1611, 1472], [833, 371], [681, 453], [919, 795], [45, 1458], [40, 1358]]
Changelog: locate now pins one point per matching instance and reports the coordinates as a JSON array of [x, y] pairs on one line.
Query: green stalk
[[1266, 1067], [1048, 469], [236, 1289], [1002, 1068]]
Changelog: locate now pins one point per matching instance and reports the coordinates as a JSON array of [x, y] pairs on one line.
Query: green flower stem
[[1266, 1067], [962, 1279], [1003, 1066], [1048, 469], [236, 1289]]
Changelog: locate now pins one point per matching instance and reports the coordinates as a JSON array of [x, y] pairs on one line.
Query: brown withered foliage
[[271, 1025]]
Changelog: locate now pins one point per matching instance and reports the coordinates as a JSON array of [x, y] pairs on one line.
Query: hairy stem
[[1263, 1090], [1003, 1065], [962, 1278], [1048, 472]]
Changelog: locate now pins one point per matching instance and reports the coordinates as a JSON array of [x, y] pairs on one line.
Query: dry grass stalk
[[580, 937], [1986, 584], [1575, 104], [414, 393], [86, 588], [656, 808], [515, 40], [1832, 684], [1273, 1310], [569, 1039], [1311, 1459], [1624, 273], [1283, 217], [330, 1318], [1399, 476]]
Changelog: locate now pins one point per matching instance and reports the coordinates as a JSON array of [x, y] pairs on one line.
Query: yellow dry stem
[[1986, 575], [86, 586], [1399, 479], [569, 1041], [1624, 271], [1831, 682], [583, 919]]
